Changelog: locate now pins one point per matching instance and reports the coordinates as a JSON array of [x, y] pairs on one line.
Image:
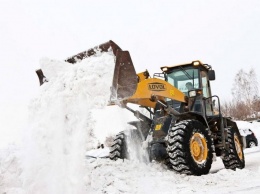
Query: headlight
[[196, 63], [192, 93], [165, 69]]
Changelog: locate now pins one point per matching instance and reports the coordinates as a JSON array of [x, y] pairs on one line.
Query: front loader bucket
[[125, 79], [105, 47]]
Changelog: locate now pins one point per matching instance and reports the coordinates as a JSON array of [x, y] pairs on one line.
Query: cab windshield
[[184, 79]]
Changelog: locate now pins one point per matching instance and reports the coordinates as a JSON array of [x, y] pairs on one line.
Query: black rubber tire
[[179, 148], [251, 144], [231, 160], [119, 148], [218, 141], [168, 163], [124, 142]]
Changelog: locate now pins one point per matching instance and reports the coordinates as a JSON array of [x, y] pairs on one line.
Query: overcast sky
[[222, 33]]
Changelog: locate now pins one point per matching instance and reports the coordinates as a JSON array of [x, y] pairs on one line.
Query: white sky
[[224, 34]]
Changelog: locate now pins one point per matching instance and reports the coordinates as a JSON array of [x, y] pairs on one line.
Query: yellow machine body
[[146, 88]]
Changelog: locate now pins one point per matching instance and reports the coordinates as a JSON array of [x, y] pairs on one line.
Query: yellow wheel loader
[[185, 129]]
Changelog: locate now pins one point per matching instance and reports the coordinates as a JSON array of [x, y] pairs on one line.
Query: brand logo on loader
[[156, 86]]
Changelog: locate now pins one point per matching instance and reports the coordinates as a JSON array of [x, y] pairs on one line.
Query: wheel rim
[[198, 147], [238, 147], [252, 144]]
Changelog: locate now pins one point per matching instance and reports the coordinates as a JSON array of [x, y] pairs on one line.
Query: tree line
[[245, 103]]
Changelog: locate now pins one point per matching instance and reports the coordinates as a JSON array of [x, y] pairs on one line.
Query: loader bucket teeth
[[100, 48], [125, 79]]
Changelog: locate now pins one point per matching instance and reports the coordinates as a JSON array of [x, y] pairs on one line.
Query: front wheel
[[118, 149], [127, 145], [189, 148]]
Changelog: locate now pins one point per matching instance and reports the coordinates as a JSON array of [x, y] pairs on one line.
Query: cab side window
[[206, 92]]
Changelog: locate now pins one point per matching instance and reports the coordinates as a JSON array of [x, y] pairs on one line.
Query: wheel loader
[[185, 128]]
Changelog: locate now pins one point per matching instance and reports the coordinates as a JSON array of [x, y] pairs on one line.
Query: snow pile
[[132, 177], [70, 117], [10, 170], [62, 126]]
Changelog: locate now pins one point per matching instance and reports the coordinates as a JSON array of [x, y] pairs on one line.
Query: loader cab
[[194, 77]]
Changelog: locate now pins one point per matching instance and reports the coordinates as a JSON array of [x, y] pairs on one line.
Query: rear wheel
[[189, 148], [234, 157]]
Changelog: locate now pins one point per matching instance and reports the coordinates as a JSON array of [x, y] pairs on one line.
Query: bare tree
[[236, 109], [245, 93], [245, 86], [256, 106], [245, 90], [226, 108]]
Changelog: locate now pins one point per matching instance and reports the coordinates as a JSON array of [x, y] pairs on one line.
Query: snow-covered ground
[[70, 117]]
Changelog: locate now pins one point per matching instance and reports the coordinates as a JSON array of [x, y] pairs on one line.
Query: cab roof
[[194, 63]]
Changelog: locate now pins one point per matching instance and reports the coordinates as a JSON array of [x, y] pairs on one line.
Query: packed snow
[[70, 119]]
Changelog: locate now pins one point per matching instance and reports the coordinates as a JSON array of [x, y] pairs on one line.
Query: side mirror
[[192, 93], [195, 92], [211, 75]]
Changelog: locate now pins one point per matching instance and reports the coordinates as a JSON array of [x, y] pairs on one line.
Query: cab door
[[206, 92]]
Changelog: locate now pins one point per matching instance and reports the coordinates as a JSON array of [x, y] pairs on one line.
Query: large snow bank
[[62, 127], [10, 170]]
